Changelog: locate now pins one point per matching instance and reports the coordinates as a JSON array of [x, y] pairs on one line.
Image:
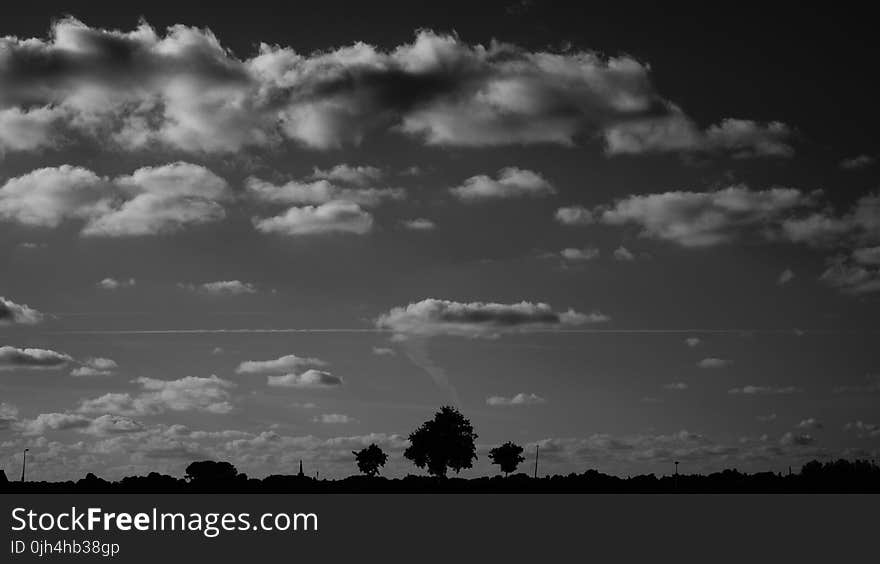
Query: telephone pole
[[23, 462]]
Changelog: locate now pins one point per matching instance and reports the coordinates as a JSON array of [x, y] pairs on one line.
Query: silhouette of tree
[[210, 471], [445, 442], [507, 457], [370, 459]]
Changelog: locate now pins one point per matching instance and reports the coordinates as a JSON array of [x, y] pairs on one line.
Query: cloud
[[713, 363], [359, 175], [579, 255], [871, 386], [702, 219], [431, 317], [314, 379], [520, 399], [511, 182], [287, 372], [12, 313], [850, 277], [678, 386], [321, 191], [287, 363], [857, 162], [337, 216], [184, 90], [623, 254], [383, 351], [14, 358], [8, 415], [675, 132], [863, 430], [95, 367], [867, 255], [764, 390], [114, 284], [222, 288], [334, 419], [858, 227], [692, 341], [766, 418], [419, 224], [574, 215], [150, 201], [105, 425], [191, 393], [811, 423], [792, 439], [785, 277]]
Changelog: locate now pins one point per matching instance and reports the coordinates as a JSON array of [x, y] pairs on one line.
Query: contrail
[[416, 349], [531, 332]]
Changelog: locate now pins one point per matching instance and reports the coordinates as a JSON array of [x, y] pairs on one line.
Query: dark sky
[[631, 234]]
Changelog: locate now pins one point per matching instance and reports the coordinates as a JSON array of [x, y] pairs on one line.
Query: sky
[[627, 236]]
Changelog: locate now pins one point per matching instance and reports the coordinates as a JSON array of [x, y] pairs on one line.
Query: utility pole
[[537, 450], [23, 462]]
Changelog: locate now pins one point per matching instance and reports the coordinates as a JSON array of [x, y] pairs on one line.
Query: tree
[[507, 457], [210, 471], [446, 441], [370, 459]]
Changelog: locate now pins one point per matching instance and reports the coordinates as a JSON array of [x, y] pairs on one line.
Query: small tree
[[507, 457], [370, 459], [210, 471], [447, 441]]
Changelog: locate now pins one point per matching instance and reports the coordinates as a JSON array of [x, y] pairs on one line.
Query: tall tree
[[445, 442], [507, 456], [370, 459]]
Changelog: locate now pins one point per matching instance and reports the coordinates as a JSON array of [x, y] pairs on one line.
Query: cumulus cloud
[[8, 415], [793, 439], [623, 254], [334, 419], [857, 162], [871, 385], [191, 393], [675, 132], [764, 390], [361, 175], [184, 90], [432, 317], [95, 367], [419, 224], [692, 341], [713, 363], [810, 423], [863, 430], [287, 372], [857, 227], [511, 182], [287, 363], [315, 379], [383, 351], [851, 277], [15, 358], [579, 255], [322, 191], [785, 277], [150, 201], [114, 284], [336, 216], [105, 425], [702, 219], [12, 313], [520, 399], [574, 215], [222, 288]]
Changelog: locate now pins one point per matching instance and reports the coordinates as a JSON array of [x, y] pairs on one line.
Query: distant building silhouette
[[300, 468]]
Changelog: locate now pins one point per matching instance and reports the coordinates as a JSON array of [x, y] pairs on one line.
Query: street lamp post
[[23, 462]]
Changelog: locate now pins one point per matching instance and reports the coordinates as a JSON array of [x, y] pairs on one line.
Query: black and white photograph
[[430, 251]]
